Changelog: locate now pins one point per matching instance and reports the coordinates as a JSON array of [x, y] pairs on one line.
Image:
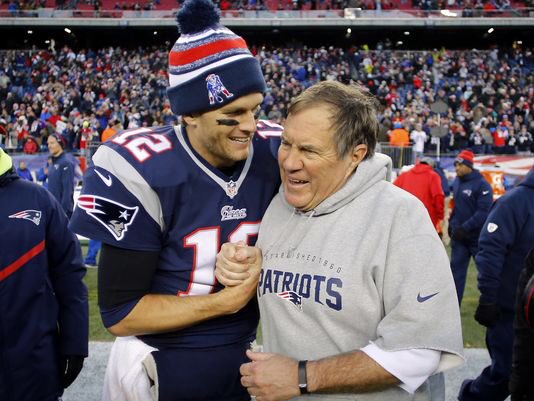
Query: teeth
[[243, 140]]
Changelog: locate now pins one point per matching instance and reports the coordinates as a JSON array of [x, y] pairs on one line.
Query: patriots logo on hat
[[114, 216], [32, 215], [292, 297], [216, 88]]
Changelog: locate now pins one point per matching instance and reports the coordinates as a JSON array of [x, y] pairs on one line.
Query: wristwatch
[[303, 381]]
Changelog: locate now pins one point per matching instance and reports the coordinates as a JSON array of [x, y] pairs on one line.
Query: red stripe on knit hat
[[196, 53]]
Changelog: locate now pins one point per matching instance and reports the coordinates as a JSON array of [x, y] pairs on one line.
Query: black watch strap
[[303, 380]]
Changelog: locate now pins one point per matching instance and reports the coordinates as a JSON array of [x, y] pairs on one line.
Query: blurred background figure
[[472, 199], [61, 176], [23, 171], [423, 182]]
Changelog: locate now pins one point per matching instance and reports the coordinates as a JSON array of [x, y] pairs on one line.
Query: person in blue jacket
[[521, 383], [505, 240], [61, 174], [43, 300], [473, 197], [23, 171]]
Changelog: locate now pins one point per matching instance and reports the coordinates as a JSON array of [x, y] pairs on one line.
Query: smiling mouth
[[240, 139], [293, 181]]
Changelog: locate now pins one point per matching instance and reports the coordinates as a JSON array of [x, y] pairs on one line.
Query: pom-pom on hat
[[465, 157], [209, 65]]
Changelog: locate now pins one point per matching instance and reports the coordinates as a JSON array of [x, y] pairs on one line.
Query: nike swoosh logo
[[485, 192], [423, 299], [107, 180]]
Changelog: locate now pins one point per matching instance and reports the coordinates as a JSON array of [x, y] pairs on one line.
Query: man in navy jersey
[[163, 200]]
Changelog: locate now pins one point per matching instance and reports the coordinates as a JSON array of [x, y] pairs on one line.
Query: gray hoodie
[[366, 265]]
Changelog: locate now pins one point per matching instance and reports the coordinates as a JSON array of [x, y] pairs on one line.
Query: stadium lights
[[30, 31], [448, 13], [47, 41], [519, 42], [400, 43], [490, 30], [349, 30], [406, 33], [155, 32], [67, 30]]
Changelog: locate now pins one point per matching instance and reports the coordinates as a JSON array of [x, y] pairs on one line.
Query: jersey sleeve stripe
[[109, 159]]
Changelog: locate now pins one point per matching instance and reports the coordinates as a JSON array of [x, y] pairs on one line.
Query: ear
[[358, 154], [190, 119]]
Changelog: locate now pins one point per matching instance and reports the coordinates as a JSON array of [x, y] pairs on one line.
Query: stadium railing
[[400, 155]]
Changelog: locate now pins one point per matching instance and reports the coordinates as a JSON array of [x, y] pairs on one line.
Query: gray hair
[[354, 113]]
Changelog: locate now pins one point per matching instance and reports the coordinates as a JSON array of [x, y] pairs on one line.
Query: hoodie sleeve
[[417, 287], [66, 275], [484, 200]]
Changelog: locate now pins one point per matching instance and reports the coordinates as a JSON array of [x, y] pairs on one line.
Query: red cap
[[465, 157]]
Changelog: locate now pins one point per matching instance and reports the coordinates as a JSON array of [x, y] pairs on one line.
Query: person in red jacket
[[423, 182]]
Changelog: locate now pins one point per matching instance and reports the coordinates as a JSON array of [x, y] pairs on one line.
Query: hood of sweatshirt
[[368, 173]]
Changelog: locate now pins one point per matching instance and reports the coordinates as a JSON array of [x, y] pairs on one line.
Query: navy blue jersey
[[149, 190]]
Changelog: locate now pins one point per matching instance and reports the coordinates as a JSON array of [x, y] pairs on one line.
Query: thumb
[[258, 356], [243, 252], [229, 250]]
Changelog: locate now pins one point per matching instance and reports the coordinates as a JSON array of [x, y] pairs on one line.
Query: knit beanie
[[209, 65], [60, 140], [465, 157]]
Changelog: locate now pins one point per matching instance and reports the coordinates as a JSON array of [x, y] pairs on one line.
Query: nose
[[289, 158]]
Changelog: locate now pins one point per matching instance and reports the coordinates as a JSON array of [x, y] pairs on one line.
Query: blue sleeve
[[484, 200], [66, 273], [40, 175], [496, 238]]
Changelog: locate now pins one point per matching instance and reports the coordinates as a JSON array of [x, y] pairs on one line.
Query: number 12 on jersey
[[206, 243]]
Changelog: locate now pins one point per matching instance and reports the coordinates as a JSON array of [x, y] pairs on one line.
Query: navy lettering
[[318, 280], [336, 302], [288, 278], [305, 284]]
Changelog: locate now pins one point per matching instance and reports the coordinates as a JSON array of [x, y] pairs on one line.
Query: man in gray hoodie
[[355, 292]]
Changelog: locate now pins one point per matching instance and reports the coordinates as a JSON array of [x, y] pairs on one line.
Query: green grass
[[472, 331]]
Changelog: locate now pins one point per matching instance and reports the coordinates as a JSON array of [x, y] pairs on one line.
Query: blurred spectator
[[419, 138], [61, 176], [423, 182], [23, 172], [489, 89], [399, 136], [42, 173]]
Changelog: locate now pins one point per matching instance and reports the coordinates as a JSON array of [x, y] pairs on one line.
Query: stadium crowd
[[488, 95], [473, 8]]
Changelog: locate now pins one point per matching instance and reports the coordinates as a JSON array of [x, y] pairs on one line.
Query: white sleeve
[[412, 367]]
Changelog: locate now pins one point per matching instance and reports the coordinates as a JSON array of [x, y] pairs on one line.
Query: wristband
[[303, 381]]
